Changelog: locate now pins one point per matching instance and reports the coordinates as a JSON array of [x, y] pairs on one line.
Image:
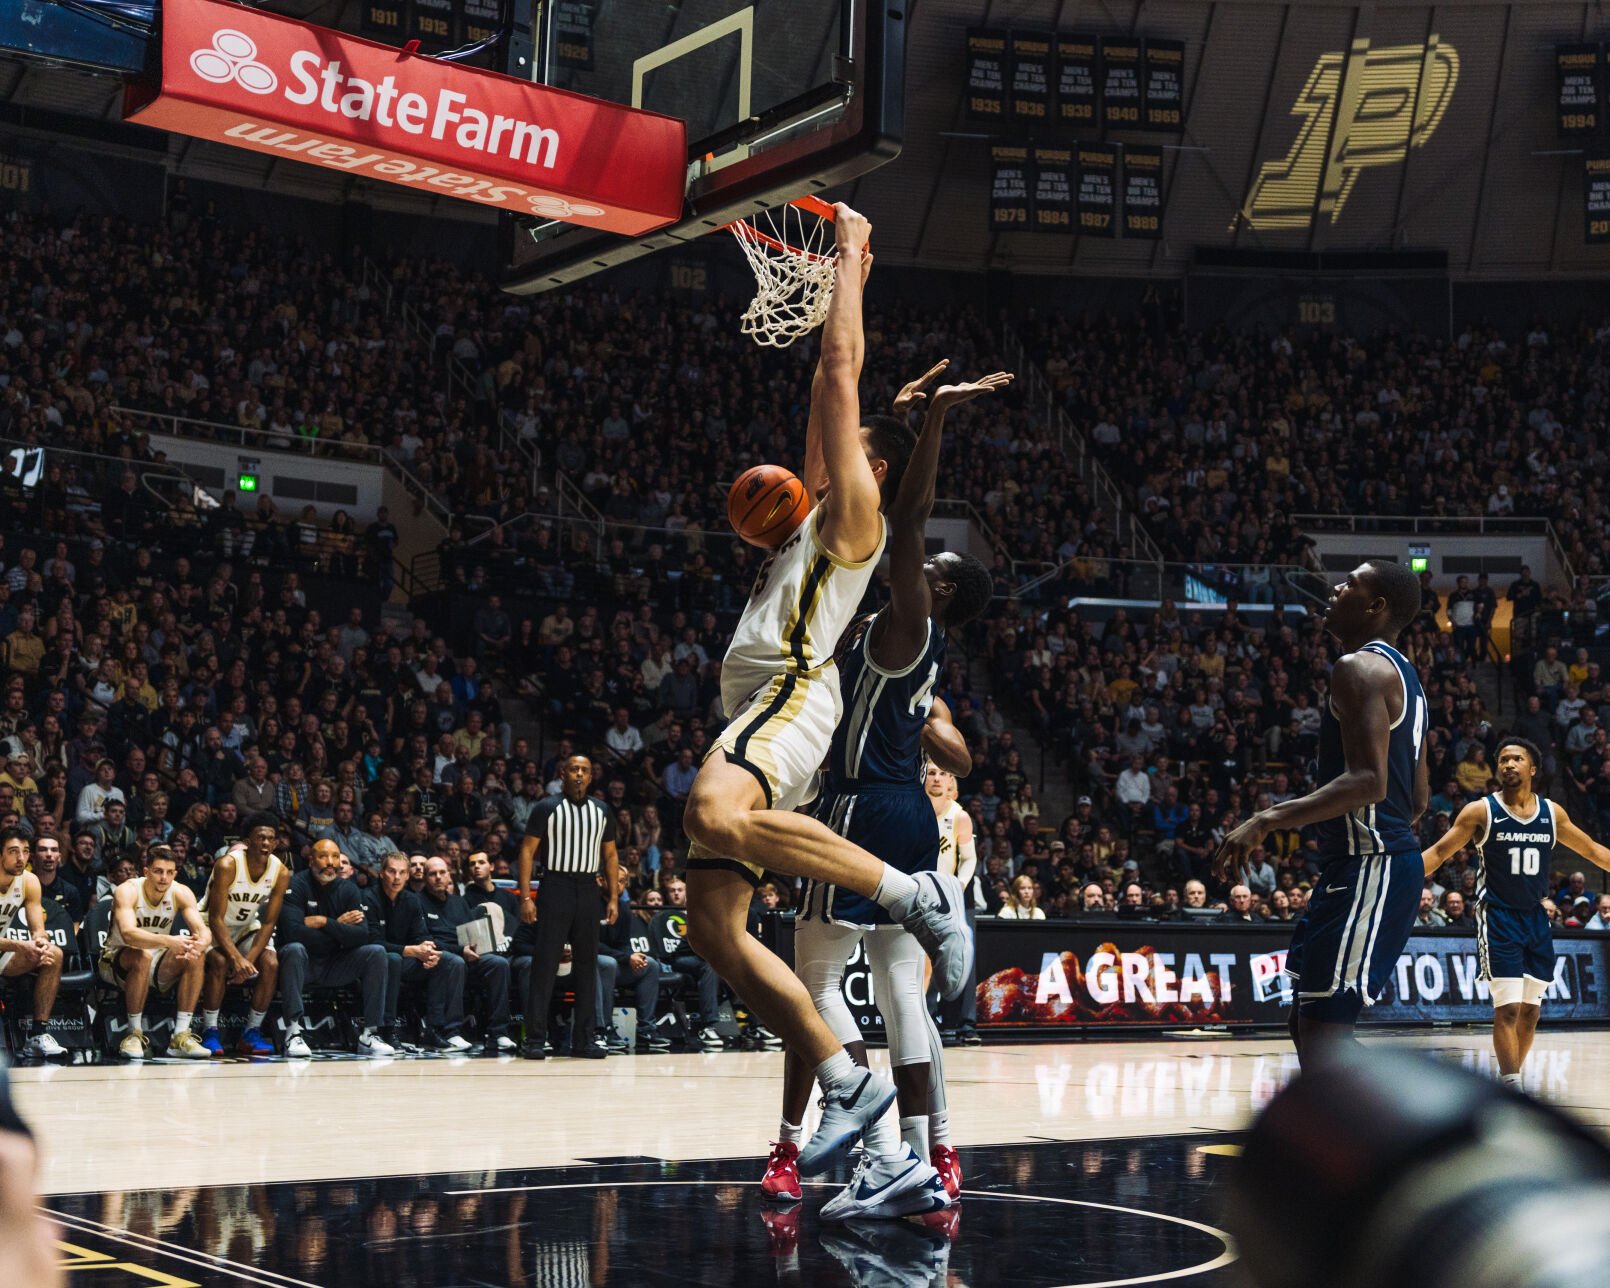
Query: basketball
[[766, 503]]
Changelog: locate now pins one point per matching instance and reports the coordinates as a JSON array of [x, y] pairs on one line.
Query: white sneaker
[[710, 1040], [451, 1042], [937, 918], [506, 1043], [297, 1048], [134, 1046], [44, 1047], [372, 1044], [888, 1188], [844, 1118]]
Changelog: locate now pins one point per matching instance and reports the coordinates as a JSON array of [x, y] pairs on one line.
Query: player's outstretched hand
[[1236, 851], [948, 396], [912, 394], [852, 228]]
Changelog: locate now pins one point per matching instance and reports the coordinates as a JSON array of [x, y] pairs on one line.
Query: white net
[[792, 252]]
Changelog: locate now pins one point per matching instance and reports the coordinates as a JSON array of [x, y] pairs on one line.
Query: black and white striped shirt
[[573, 836]]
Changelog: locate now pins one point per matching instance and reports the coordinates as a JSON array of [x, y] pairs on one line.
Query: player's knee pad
[[820, 954], [897, 962]]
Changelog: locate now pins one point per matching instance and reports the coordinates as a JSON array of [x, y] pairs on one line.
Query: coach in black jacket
[[397, 923], [324, 939], [445, 910]]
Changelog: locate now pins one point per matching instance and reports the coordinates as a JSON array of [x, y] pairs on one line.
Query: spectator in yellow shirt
[[1473, 773]]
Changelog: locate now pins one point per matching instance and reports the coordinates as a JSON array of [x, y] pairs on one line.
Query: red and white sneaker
[[781, 1182], [949, 1167]]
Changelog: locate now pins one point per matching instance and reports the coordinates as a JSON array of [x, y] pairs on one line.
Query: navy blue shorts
[[895, 823], [1346, 945], [1511, 944]]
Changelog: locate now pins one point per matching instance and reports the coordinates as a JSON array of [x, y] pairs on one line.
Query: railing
[[262, 440], [951, 508], [1185, 583], [1073, 444], [161, 482]]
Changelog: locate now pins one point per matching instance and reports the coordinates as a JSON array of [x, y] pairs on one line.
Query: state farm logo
[[233, 57], [558, 208]]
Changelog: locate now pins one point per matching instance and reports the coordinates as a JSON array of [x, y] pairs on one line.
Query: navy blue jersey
[[1386, 827], [1515, 855], [879, 738]]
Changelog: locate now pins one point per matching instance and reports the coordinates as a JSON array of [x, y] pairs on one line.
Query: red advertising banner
[[260, 81]]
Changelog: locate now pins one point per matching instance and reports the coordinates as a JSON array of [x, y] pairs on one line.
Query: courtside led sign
[[1359, 109], [260, 81]]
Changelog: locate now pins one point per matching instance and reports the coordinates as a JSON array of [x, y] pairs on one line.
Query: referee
[[576, 838]]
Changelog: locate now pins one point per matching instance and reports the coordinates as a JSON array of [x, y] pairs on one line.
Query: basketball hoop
[[793, 255]]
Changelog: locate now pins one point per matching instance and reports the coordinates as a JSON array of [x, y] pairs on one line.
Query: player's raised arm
[[1360, 685], [901, 631], [1574, 838], [850, 525], [1471, 820], [943, 743]]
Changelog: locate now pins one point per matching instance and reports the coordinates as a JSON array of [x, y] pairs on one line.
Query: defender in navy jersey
[[1515, 831], [1372, 789], [873, 795]]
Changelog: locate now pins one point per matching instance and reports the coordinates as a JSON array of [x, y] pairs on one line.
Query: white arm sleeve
[[966, 861]]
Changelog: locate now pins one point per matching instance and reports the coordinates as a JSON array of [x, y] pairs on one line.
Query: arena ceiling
[[1445, 138]]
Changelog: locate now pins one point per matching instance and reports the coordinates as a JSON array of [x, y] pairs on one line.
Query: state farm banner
[[275, 85]]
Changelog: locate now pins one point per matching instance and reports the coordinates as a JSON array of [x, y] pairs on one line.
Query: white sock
[[895, 889], [914, 1131], [1510, 1080], [939, 1126], [254, 1019], [182, 1022], [209, 1019], [882, 1138], [137, 1022], [791, 1133], [838, 1071], [293, 1028]]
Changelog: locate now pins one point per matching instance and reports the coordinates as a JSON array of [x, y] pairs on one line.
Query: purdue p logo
[[1364, 108]]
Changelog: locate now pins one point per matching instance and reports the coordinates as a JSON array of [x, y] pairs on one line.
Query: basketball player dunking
[[1372, 788], [873, 795], [780, 690], [1515, 831]]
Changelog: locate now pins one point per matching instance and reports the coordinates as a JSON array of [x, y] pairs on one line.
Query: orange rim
[[811, 205]]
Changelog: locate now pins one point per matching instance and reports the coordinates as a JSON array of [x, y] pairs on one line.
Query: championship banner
[[1164, 96], [384, 20], [1097, 200], [1053, 190], [256, 80], [986, 74], [432, 22], [1044, 977], [1077, 58], [572, 33], [1031, 76], [1578, 72], [1120, 83], [480, 19], [1596, 199], [1143, 192], [1009, 190]]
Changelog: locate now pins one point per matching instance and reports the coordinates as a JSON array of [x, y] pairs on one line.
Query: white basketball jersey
[[246, 898], [11, 899], [802, 601], [156, 917], [948, 858]]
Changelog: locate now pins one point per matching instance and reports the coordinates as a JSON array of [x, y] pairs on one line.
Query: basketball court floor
[[1092, 1163]]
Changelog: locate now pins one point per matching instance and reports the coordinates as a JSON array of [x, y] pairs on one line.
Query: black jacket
[[443, 917], [307, 898], [616, 941]]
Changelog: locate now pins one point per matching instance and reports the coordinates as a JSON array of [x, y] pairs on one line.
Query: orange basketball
[[765, 505]]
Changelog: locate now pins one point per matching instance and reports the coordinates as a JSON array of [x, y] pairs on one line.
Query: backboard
[[781, 98]]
